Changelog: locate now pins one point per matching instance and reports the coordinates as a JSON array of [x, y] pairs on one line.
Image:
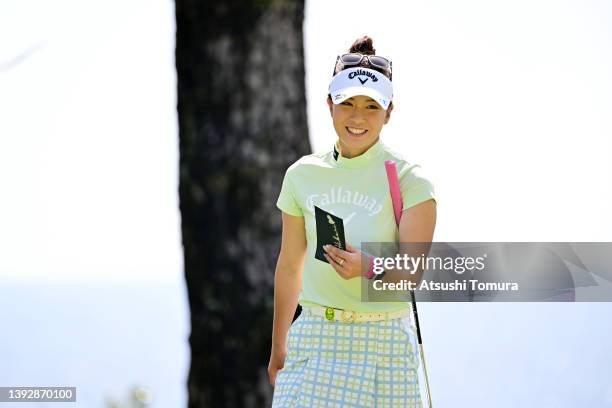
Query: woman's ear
[[331, 105], [389, 110]]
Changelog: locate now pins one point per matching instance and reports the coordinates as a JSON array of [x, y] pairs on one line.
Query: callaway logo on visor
[[369, 83], [359, 73]]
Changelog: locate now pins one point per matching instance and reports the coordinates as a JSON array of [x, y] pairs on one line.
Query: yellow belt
[[350, 316]]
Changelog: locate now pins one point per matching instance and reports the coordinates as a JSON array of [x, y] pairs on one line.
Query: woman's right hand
[[277, 362]]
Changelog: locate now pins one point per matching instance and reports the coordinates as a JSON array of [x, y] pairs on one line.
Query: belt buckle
[[329, 313], [348, 319]]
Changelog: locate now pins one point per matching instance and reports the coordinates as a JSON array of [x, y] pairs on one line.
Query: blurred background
[[109, 221]]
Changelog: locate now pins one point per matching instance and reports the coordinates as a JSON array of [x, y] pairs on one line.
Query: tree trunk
[[242, 122]]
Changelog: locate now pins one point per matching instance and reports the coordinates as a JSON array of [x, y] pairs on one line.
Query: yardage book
[[330, 230]]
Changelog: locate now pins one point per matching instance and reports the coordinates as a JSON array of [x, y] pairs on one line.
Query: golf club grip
[[394, 188]]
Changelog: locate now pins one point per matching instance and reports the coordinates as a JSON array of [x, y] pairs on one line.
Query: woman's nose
[[357, 117]]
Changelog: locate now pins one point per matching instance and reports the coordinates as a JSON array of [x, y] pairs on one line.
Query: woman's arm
[[287, 284], [416, 225], [288, 276]]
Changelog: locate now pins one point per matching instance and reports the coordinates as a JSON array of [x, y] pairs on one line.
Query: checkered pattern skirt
[[337, 364]]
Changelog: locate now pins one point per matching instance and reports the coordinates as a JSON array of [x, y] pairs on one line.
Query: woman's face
[[358, 122]]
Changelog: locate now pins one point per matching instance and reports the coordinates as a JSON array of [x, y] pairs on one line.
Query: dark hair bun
[[363, 45]]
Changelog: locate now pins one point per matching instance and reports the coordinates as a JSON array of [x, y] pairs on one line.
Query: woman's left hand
[[347, 263]]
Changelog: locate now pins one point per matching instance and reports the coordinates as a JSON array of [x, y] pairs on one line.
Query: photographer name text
[[462, 285]]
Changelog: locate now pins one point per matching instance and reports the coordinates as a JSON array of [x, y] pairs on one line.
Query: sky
[[89, 142], [505, 105]]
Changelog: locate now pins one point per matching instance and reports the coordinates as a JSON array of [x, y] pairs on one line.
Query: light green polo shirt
[[357, 191]]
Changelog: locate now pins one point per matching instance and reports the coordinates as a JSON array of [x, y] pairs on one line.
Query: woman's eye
[[346, 103], [373, 107]]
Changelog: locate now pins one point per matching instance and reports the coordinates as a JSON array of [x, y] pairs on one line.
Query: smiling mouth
[[356, 131]]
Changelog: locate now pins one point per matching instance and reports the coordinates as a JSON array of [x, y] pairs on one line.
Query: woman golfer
[[342, 351]]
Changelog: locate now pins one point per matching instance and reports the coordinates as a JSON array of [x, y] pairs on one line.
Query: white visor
[[361, 81]]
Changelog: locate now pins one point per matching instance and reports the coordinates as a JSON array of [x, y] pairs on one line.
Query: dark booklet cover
[[330, 230]]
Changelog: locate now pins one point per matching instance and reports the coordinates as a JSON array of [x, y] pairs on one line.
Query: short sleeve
[[286, 199], [416, 187]]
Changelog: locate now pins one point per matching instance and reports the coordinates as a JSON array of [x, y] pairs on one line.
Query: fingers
[[334, 251], [272, 375], [336, 264], [336, 254], [334, 259], [273, 368], [340, 269]]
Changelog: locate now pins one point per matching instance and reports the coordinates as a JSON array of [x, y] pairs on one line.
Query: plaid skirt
[[337, 364]]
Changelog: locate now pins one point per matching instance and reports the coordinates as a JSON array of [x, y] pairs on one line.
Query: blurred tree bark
[[242, 122]]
